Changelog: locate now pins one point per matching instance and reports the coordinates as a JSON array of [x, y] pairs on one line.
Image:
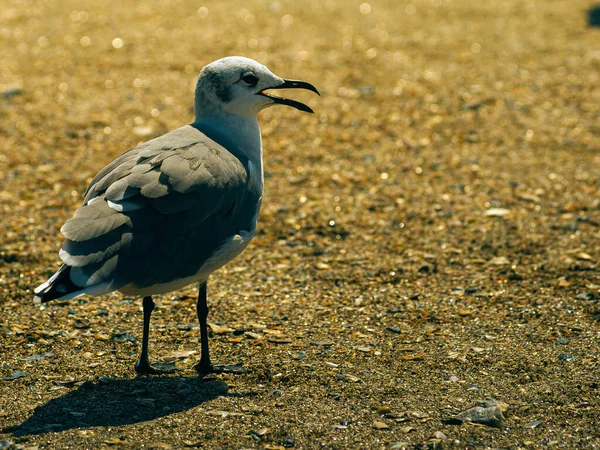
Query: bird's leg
[[143, 366], [205, 367]]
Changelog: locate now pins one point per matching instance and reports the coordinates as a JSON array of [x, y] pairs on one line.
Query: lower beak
[[292, 84]]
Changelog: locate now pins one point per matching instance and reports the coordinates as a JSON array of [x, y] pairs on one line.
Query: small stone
[[332, 365], [399, 446], [322, 343], [394, 330], [66, 383], [10, 93], [408, 429], [181, 354], [13, 376], [279, 340], [257, 435], [413, 357], [585, 296], [218, 329], [159, 446], [148, 402], [184, 389], [253, 335], [496, 212], [439, 435], [5, 444], [38, 357], [115, 441], [299, 355], [122, 336], [277, 393], [533, 424], [364, 349], [351, 378], [584, 256], [565, 357], [81, 324], [380, 425], [216, 386], [499, 261], [488, 412], [384, 410]]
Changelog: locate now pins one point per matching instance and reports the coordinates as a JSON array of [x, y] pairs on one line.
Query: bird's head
[[238, 85]]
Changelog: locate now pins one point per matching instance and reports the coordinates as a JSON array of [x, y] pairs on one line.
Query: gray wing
[[158, 212]]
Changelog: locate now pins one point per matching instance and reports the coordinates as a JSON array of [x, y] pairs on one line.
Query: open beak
[[291, 84]]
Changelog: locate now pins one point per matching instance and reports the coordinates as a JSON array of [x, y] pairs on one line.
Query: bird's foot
[[143, 368], [205, 369]]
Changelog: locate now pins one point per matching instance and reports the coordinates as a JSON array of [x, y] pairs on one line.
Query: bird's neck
[[238, 134]]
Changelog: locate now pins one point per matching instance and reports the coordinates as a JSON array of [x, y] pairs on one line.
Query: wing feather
[[158, 212]]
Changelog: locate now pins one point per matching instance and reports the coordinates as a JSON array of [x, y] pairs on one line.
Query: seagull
[[172, 210]]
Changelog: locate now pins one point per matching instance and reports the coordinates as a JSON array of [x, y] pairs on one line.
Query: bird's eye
[[250, 79]]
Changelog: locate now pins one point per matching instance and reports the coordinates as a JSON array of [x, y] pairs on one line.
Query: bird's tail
[[58, 286]]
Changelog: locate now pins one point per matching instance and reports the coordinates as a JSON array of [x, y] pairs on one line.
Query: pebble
[[299, 355], [184, 389], [399, 446], [496, 212], [181, 354], [289, 442], [533, 424], [499, 261], [253, 335], [394, 329], [380, 425], [384, 410], [351, 378], [334, 395], [257, 435], [488, 412], [322, 343], [10, 93], [565, 357], [218, 329], [38, 357], [440, 435], [13, 376], [407, 429], [122, 336], [216, 386], [4, 444]]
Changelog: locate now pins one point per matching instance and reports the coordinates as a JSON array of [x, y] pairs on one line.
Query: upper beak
[[292, 84]]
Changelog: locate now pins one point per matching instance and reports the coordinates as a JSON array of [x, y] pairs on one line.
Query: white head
[[235, 85]]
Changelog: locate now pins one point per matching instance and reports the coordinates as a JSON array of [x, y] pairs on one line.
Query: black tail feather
[[57, 286]]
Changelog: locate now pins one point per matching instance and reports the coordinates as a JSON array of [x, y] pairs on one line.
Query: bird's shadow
[[119, 402]]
